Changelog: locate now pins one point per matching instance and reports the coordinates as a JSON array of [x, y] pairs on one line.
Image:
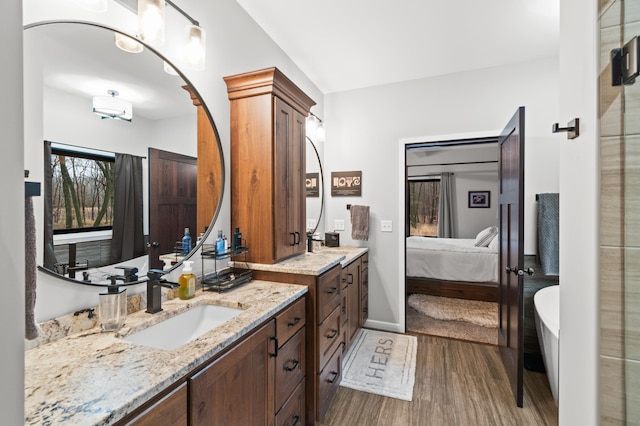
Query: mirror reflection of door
[[172, 198]]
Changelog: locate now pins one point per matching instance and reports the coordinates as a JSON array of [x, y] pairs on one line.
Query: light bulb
[[128, 44], [320, 132]]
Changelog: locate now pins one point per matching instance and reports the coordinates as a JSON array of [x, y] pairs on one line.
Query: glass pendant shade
[[194, 50], [128, 44], [112, 107], [320, 132], [151, 21], [169, 69]]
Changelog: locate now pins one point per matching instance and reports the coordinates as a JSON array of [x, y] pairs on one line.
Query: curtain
[[446, 218], [49, 253], [128, 234]]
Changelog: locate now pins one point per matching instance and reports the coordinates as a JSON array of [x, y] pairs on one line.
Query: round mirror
[[315, 188], [73, 71]]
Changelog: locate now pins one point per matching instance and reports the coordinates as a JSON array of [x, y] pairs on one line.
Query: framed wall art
[[479, 199]]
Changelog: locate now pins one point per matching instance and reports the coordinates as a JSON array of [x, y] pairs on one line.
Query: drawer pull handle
[[333, 334], [275, 352], [293, 235], [295, 322], [332, 290], [292, 366], [334, 375], [296, 420], [350, 280], [296, 238]]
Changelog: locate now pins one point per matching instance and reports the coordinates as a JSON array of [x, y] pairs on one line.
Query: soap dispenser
[[187, 282], [112, 310]]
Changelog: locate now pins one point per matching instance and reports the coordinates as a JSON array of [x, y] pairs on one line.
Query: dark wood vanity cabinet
[[259, 381], [268, 199], [355, 302]]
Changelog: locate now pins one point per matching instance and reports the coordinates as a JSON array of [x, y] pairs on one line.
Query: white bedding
[[451, 259]]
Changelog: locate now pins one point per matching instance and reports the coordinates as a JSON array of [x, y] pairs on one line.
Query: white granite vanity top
[[94, 378], [314, 263]]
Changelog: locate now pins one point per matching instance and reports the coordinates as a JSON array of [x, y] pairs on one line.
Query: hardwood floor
[[457, 383]]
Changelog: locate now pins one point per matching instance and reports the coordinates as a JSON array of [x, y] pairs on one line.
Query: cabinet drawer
[[292, 412], [328, 292], [290, 367], [328, 381], [329, 336], [171, 410], [290, 321]]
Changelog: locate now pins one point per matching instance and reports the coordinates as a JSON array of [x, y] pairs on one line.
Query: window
[[82, 191], [424, 196]]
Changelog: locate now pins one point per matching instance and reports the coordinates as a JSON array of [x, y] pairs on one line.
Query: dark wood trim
[[487, 292]]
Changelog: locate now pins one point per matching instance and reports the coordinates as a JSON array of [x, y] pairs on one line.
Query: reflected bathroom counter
[[314, 263], [95, 378]]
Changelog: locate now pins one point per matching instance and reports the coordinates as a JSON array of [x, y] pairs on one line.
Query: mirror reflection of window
[[82, 191], [424, 197]]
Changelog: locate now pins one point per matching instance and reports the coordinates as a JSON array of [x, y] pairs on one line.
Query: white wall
[[364, 127], [235, 44], [12, 214], [579, 188]]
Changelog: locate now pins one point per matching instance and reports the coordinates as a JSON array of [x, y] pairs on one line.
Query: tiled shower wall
[[619, 223]]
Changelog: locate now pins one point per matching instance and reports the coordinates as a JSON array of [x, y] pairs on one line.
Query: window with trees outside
[[424, 196], [82, 191]]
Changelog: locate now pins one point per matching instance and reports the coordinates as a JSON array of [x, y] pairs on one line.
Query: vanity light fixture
[[151, 25], [128, 44], [112, 107]]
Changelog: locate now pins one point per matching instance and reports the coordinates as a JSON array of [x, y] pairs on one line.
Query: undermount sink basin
[[182, 328]]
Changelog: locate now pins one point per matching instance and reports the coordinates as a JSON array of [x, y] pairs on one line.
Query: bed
[[452, 267]]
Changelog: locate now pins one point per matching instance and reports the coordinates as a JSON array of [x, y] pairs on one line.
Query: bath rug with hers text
[[381, 363]]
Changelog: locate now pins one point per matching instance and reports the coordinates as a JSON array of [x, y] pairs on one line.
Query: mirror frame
[[315, 149], [209, 116]]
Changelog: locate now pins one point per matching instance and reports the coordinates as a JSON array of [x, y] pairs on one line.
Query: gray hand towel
[[30, 277], [360, 222]]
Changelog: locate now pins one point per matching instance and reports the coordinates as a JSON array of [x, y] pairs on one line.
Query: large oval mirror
[[69, 63], [315, 189]]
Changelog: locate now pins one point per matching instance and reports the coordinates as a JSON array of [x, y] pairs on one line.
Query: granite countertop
[[314, 263], [95, 378]]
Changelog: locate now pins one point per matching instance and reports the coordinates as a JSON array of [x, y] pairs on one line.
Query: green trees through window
[[82, 191], [424, 196]]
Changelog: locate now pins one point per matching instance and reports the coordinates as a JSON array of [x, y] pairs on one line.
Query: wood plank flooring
[[457, 383]]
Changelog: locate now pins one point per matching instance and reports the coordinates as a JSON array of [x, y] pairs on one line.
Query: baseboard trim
[[384, 326]]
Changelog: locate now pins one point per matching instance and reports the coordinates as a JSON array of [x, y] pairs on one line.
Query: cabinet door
[[353, 282], [237, 389], [289, 174], [170, 410]]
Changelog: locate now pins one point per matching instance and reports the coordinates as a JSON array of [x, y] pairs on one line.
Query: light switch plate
[[386, 226], [339, 225]]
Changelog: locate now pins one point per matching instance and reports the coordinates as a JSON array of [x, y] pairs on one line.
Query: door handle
[[154, 244], [528, 271], [514, 270]]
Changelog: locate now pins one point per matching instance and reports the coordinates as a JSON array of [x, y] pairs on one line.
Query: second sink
[[182, 328]]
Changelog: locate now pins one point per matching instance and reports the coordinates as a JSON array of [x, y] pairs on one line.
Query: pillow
[[485, 236], [494, 245]]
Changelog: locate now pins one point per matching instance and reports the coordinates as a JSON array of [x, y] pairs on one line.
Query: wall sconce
[[315, 128], [194, 51], [112, 107]]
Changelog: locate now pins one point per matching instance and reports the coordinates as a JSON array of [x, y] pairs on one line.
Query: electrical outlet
[[386, 226], [311, 224], [338, 225]]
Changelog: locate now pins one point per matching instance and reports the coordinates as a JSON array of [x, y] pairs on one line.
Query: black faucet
[[129, 274], [154, 296]]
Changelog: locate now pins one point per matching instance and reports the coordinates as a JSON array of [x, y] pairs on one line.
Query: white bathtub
[[547, 314]]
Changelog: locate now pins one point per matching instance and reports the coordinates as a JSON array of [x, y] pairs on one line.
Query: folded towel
[[360, 222], [31, 327]]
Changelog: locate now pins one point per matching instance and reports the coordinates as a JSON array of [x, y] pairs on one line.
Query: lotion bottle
[[187, 282]]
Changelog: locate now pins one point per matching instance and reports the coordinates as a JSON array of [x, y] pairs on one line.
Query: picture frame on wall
[[479, 199]]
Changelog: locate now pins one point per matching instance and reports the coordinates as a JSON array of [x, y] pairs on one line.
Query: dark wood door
[[511, 218], [172, 202], [238, 388]]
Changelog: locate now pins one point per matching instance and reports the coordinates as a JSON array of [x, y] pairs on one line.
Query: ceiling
[[349, 44]]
